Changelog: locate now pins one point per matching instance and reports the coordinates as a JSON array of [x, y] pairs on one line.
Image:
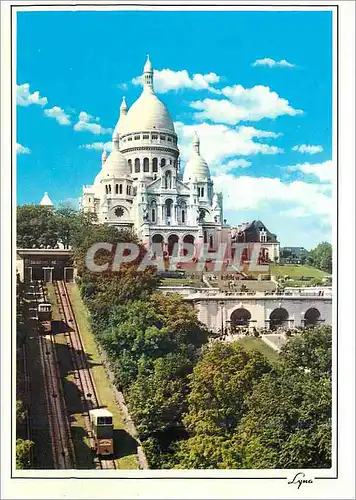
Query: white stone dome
[[115, 165], [196, 168], [147, 113]]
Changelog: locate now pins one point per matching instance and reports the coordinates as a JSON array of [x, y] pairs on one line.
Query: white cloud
[[219, 144], [267, 61], [240, 162], [324, 172], [168, 79], [87, 123], [305, 148], [22, 150], [25, 98], [243, 104], [58, 114], [98, 146], [291, 199]]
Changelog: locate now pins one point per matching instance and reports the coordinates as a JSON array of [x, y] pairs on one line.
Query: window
[[162, 137], [163, 162], [202, 192], [145, 136], [169, 139], [154, 136], [199, 192], [129, 138], [168, 180], [211, 242], [130, 165], [153, 215], [136, 137], [109, 188], [89, 200], [205, 237], [137, 165], [116, 188], [183, 216], [154, 165], [106, 189], [170, 161], [120, 191], [146, 165], [128, 190], [169, 208]]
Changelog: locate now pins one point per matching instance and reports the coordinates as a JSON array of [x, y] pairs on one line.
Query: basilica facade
[[141, 185]]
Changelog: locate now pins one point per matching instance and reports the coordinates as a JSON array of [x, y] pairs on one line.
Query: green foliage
[[288, 422], [321, 257], [36, 227], [140, 331], [41, 226], [23, 450], [20, 411]]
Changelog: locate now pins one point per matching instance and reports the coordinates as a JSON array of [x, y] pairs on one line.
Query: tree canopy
[[321, 257]]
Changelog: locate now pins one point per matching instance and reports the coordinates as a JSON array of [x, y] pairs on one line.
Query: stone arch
[[173, 240], [240, 317], [311, 317], [189, 239], [278, 317]]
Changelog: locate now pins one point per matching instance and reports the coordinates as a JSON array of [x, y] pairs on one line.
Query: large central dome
[[148, 113]]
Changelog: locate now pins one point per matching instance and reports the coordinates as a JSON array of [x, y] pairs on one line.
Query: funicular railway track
[[61, 441], [82, 375]]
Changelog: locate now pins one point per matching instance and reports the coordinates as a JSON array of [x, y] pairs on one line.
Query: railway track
[[82, 375], [62, 445]]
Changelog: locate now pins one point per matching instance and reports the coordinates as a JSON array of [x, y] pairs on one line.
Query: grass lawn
[[125, 445], [297, 271], [254, 343]]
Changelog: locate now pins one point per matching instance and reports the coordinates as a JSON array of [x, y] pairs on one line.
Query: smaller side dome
[[196, 169], [116, 164]]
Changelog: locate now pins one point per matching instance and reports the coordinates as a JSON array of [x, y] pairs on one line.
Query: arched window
[[137, 166], [168, 180], [146, 165], [116, 188], [183, 216], [211, 242], [154, 165], [130, 165], [120, 190], [169, 208], [163, 162], [153, 215]]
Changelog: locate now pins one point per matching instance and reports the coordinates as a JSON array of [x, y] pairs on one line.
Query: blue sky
[[256, 86]]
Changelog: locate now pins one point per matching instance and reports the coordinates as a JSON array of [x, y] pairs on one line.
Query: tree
[[140, 331], [23, 451], [36, 227], [321, 257], [23, 446], [288, 421], [219, 386]]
